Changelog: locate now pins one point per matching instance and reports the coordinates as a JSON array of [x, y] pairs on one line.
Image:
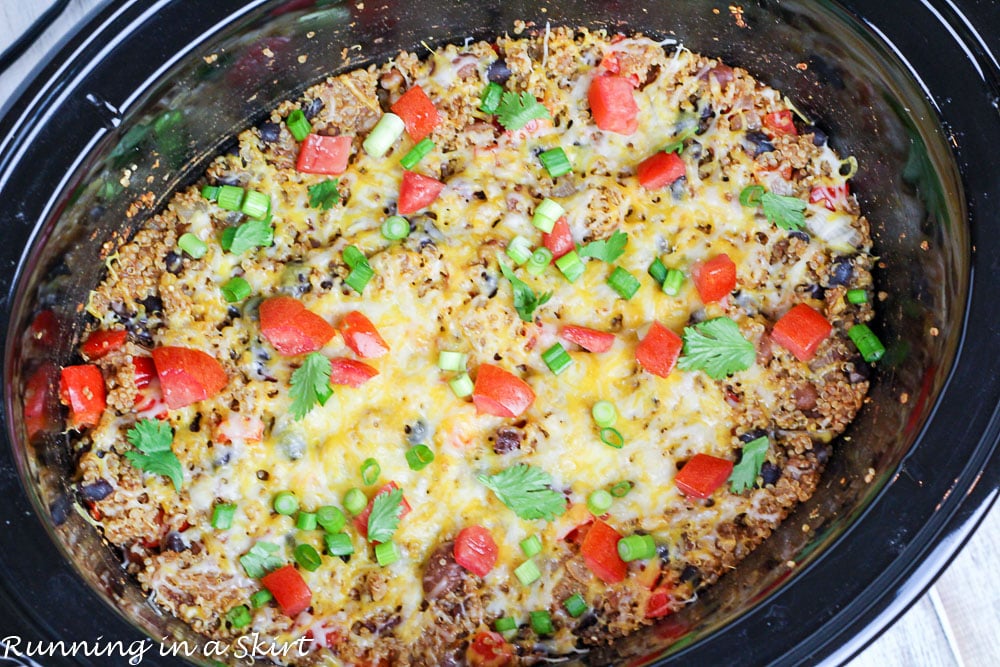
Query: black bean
[[269, 132], [705, 120], [679, 188], [770, 472], [799, 234], [691, 573], [750, 436], [507, 439], [815, 291], [312, 108], [96, 491], [757, 143], [498, 72], [842, 272], [60, 509], [417, 432], [152, 303], [860, 372], [441, 573], [175, 542], [819, 137], [174, 262]]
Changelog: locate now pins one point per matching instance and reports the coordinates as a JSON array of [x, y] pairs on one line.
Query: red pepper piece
[[475, 550], [149, 401], [324, 155], [361, 520], [659, 603], [559, 241], [350, 372], [416, 192], [658, 351], [489, 649], [600, 553], [800, 331], [39, 404], [417, 111], [101, 342], [612, 104], [82, 389], [362, 337], [831, 196], [289, 589], [187, 376], [589, 339], [292, 328], [500, 393], [702, 475], [780, 122], [660, 169], [715, 278]]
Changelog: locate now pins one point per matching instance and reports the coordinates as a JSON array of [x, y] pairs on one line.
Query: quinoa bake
[[487, 355]]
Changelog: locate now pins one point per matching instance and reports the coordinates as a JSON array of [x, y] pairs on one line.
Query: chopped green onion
[[557, 358], [239, 617], [546, 214], [230, 197], [298, 125], [575, 605], [527, 572], [519, 250], [461, 385], [621, 489], [418, 457], [388, 128], [489, 101], [599, 502], [417, 153], [227, 237], [192, 245], [538, 261], [222, 516], [658, 271], [396, 227], [355, 500], [359, 276], [868, 344], [541, 622], [623, 282], [210, 192], [307, 556], [261, 598], [370, 471], [286, 503], [531, 545], [330, 518], [505, 625], [256, 205], [636, 547], [555, 162], [570, 265], [605, 414], [857, 296], [612, 437], [386, 553], [452, 361], [672, 283], [306, 521], [751, 194], [236, 289], [353, 256], [338, 544]]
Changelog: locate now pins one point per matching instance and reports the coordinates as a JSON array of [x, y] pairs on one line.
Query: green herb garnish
[[384, 519], [524, 489], [745, 472], [606, 250], [153, 438], [261, 559], [310, 384], [785, 212], [252, 234], [324, 195], [516, 110], [716, 347], [525, 299]]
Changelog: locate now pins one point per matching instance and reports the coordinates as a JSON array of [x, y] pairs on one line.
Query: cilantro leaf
[[745, 472], [252, 234], [716, 347], [524, 489], [677, 145], [384, 519], [607, 250], [785, 212], [525, 299], [516, 110], [153, 438], [310, 384], [261, 559], [324, 195]]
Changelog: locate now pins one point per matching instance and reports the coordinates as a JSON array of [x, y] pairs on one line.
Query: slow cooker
[[909, 87]]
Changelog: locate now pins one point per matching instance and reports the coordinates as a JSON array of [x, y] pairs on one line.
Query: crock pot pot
[[908, 87]]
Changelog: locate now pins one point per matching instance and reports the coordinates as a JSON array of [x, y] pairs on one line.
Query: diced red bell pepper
[[39, 406], [612, 104], [417, 111], [324, 155], [361, 520], [715, 278], [236, 427], [44, 328], [589, 339], [475, 550], [702, 475], [149, 401], [800, 331], [350, 372], [362, 337], [658, 351], [659, 603], [187, 376], [416, 192], [831, 196], [780, 122], [291, 327], [82, 389], [600, 553], [289, 589], [101, 342], [659, 169], [489, 649], [500, 393], [559, 241]]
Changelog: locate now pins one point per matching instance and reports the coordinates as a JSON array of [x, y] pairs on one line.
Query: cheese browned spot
[[441, 289]]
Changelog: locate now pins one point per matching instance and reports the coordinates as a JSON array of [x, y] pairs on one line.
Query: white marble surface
[[956, 624]]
